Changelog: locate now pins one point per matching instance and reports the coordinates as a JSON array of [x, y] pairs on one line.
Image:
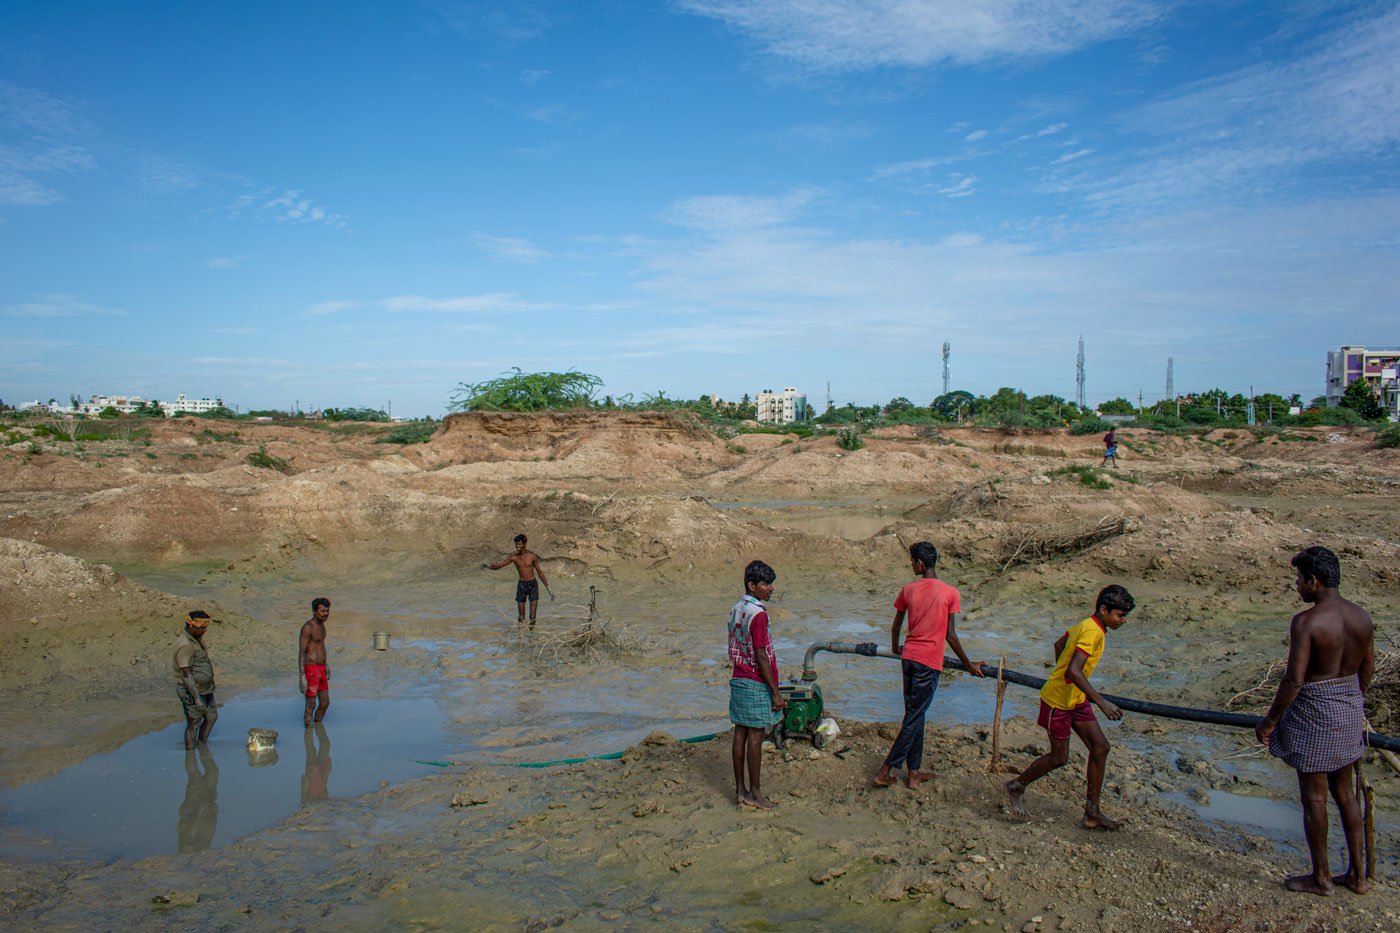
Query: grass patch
[[1090, 476], [848, 438], [410, 432]]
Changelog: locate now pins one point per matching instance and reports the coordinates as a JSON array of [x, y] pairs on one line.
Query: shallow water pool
[[151, 797]]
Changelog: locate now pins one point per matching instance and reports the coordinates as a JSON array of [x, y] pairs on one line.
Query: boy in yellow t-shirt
[[1064, 705]]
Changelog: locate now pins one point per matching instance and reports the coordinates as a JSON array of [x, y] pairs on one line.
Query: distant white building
[[190, 406], [125, 404], [783, 407]]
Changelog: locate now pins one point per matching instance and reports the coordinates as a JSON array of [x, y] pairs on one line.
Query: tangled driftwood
[[1041, 543]]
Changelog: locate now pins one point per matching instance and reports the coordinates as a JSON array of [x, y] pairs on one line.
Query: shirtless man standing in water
[[311, 662], [1318, 718], [527, 564]]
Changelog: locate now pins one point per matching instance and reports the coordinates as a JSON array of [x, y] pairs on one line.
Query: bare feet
[[1015, 790], [918, 777], [1093, 819], [883, 778], [757, 801], [1307, 884], [1353, 881]]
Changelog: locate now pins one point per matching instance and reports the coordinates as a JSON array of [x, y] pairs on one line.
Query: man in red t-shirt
[[930, 604]]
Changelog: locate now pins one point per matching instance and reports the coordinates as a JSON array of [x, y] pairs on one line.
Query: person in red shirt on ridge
[[931, 605]]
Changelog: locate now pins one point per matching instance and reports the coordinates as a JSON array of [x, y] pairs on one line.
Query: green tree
[[519, 391], [1006, 399], [1361, 398], [898, 405], [109, 413], [951, 403], [1117, 406]]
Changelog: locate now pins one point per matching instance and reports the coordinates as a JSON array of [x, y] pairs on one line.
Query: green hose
[[610, 756]]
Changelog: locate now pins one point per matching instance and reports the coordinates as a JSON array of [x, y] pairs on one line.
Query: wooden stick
[[995, 764], [1390, 758]]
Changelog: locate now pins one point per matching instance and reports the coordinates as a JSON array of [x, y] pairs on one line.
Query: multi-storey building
[[781, 407], [1379, 367], [190, 406]]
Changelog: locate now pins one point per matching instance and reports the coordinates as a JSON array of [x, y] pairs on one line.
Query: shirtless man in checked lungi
[[1317, 721]]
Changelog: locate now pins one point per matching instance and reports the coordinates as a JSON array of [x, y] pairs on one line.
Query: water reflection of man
[[199, 813], [315, 780]]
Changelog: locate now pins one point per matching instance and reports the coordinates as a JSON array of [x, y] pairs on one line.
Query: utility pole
[[947, 351], [389, 409], [1139, 401], [829, 406], [1079, 375], [1249, 412], [1171, 383]]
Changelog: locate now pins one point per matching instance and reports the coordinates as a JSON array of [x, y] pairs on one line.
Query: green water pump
[[802, 714]]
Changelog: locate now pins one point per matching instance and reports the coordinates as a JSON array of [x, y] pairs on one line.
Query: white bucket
[[381, 641]]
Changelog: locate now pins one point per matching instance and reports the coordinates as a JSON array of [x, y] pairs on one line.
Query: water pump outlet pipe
[[1164, 710]]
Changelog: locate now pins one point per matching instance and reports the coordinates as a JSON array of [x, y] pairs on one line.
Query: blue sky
[[361, 203]]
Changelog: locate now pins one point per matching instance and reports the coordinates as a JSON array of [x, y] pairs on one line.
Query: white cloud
[[287, 206], [843, 35], [512, 249], [59, 305], [735, 212], [1052, 129], [1071, 156], [239, 362], [959, 186], [974, 136], [331, 307], [236, 331], [914, 166], [532, 76], [224, 262], [504, 302]]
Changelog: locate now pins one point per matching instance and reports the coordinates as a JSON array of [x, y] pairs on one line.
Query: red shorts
[[317, 680], [1060, 722]]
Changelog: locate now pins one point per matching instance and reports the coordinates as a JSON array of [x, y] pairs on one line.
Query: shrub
[[848, 438], [1089, 426], [1388, 437], [410, 432], [261, 458]]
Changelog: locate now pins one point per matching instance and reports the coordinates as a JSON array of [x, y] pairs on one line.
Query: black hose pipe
[[1164, 710]]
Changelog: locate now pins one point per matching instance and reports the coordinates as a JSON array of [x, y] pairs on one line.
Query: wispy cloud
[[734, 212], [551, 114], [224, 262], [841, 35], [287, 205], [331, 307], [60, 305], [959, 186], [1256, 130], [974, 136], [240, 362], [236, 331], [1071, 156], [40, 136], [167, 176], [504, 302], [532, 76], [509, 248]]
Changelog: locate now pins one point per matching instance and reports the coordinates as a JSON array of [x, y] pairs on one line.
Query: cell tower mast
[[1171, 383], [1079, 375], [947, 352], [829, 406]]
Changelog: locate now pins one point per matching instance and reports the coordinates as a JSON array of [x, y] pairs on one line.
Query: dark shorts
[[187, 701], [527, 591], [1060, 722]]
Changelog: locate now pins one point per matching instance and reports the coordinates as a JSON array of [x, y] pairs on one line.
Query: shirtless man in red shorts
[[311, 662]]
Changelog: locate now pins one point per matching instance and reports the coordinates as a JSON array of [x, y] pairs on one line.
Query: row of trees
[[1007, 407]]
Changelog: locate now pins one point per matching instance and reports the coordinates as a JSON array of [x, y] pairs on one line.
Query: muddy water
[[457, 684]]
